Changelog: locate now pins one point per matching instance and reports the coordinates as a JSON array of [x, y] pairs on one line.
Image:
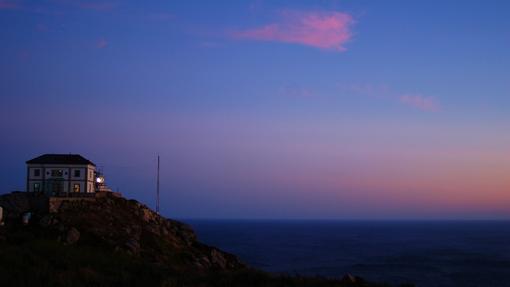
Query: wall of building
[[68, 175]]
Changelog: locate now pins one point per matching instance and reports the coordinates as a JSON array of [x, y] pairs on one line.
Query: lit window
[[77, 173], [37, 187], [37, 172], [57, 172], [76, 187]]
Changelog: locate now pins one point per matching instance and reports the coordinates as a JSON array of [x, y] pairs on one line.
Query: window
[[37, 172], [57, 172], [37, 187], [77, 173], [76, 187]]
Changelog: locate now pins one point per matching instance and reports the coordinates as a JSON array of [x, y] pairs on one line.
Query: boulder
[[133, 246], [218, 259], [146, 214], [72, 236]]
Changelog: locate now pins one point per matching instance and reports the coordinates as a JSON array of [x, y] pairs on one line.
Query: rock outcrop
[[112, 241], [123, 226]]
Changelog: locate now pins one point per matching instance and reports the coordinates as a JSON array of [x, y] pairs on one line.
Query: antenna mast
[[157, 190]]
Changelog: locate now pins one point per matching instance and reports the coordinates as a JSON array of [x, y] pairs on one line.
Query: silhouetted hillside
[[112, 241]]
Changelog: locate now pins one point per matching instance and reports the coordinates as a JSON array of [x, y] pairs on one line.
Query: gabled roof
[[60, 159]]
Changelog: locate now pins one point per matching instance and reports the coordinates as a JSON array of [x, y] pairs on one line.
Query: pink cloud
[[102, 43], [9, 4], [427, 104], [385, 92], [319, 29]]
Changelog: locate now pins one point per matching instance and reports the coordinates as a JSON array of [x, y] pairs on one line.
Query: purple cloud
[[101, 43], [9, 4], [418, 101], [428, 104], [24, 55]]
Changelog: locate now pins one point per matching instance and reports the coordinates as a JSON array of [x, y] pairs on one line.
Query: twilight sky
[[267, 109]]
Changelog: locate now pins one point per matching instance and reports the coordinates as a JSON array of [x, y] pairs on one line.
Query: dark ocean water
[[448, 253]]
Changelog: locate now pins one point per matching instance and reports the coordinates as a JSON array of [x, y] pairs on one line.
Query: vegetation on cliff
[[112, 241]]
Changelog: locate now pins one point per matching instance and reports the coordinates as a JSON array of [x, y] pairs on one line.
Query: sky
[[267, 109]]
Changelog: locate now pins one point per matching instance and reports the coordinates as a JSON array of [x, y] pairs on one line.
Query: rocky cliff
[[120, 225], [112, 241]]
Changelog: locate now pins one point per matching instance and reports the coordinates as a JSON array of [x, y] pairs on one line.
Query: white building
[[61, 174]]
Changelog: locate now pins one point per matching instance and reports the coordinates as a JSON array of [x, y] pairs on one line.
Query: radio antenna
[[157, 190]]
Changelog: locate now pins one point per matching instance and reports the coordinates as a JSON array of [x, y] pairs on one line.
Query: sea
[[426, 253]]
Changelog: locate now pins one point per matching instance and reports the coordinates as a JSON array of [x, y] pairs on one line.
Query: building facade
[[61, 174]]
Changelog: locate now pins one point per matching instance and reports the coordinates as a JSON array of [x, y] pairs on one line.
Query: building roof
[[60, 159]]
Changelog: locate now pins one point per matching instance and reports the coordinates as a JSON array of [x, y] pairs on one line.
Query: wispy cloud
[[377, 91], [9, 4], [328, 30], [92, 5], [41, 27], [295, 91], [24, 55], [101, 43], [55, 7], [384, 92], [100, 6], [428, 104]]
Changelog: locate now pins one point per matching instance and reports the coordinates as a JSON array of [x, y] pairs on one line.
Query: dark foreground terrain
[[112, 241]]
